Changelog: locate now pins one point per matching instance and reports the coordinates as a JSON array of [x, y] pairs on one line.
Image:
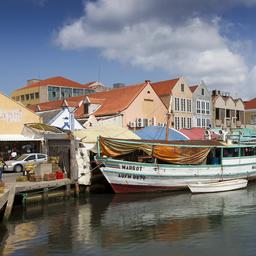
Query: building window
[[207, 108], [78, 92], [22, 97], [17, 98], [182, 122], [202, 91], [27, 96], [86, 108], [177, 104], [189, 122], [182, 87], [198, 122], [228, 113], [177, 123], [37, 95], [203, 122], [66, 93], [203, 107], [198, 106], [217, 113], [182, 104], [189, 105], [32, 96], [208, 122], [53, 93]]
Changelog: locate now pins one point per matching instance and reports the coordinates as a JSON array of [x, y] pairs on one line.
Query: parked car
[[18, 164]]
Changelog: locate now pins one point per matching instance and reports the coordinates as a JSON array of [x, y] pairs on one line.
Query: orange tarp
[[171, 154], [180, 155]]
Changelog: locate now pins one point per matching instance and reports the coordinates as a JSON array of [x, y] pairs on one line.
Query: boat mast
[[168, 114]]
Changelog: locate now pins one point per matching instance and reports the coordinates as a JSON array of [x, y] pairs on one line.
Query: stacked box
[[35, 178], [21, 178], [50, 176]]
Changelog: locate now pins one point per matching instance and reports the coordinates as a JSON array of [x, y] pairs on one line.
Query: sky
[[129, 41]]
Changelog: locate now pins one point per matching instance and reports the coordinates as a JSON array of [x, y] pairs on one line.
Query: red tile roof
[[57, 81], [53, 105], [116, 100], [111, 102], [163, 88], [250, 104], [193, 88]]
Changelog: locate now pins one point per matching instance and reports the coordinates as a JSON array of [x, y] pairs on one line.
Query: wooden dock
[[7, 199]]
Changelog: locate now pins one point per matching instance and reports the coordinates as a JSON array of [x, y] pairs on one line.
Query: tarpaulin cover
[[159, 133], [181, 155], [170, 154], [114, 148]]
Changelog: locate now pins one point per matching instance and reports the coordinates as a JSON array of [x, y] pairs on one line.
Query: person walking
[[2, 165]]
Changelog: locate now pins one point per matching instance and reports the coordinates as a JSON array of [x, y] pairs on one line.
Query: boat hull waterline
[[128, 177]]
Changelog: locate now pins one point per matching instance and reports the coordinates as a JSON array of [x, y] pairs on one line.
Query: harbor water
[[139, 224]]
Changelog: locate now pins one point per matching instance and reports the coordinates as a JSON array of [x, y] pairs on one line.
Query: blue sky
[[129, 41]]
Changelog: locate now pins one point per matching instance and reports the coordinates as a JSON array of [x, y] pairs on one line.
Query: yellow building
[[51, 89], [13, 116]]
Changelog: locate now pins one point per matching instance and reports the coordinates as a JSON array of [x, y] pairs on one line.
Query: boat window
[[250, 151], [230, 152]]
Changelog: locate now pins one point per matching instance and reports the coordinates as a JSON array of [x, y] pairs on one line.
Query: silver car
[[18, 164]]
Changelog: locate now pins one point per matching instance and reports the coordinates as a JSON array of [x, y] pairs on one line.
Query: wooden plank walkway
[[30, 186]]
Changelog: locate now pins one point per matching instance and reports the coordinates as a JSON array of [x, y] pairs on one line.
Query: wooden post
[[10, 201], [45, 194], [76, 189], [67, 190]]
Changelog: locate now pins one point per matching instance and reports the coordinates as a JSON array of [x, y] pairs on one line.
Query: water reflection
[[124, 224]]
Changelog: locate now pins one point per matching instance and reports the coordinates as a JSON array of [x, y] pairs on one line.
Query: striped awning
[[17, 137]]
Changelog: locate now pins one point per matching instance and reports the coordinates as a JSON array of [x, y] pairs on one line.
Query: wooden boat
[[147, 166], [220, 186]]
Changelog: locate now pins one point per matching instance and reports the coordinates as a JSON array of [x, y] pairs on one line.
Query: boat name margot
[[131, 176], [132, 167]]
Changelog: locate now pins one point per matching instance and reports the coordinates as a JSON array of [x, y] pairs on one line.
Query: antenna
[[99, 72]]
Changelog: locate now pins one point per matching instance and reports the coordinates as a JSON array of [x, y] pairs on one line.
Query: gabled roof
[[57, 81], [49, 115], [116, 100], [163, 88], [193, 88], [250, 104], [58, 104]]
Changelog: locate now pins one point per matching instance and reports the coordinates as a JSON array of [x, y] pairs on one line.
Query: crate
[[49, 176], [21, 178], [35, 178]]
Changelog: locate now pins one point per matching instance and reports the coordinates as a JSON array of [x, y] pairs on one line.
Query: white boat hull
[[127, 177], [218, 186]]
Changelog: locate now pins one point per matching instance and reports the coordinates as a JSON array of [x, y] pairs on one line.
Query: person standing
[[2, 165]]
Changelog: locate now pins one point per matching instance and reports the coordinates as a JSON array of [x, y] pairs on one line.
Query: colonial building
[[227, 112], [133, 106], [177, 97], [13, 116], [250, 113], [56, 88], [201, 106]]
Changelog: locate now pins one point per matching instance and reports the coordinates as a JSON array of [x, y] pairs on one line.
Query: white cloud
[[171, 35]]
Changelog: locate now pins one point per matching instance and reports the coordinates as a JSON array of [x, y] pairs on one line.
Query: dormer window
[[202, 91], [182, 87], [86, 108]]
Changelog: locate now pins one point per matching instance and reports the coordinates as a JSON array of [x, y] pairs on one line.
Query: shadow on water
[[98, 224]]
